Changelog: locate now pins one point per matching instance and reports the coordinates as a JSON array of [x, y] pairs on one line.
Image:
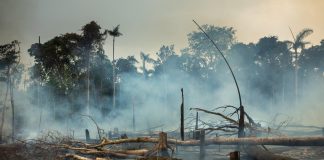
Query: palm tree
[[298, 44], [145, 58], [114, 33]]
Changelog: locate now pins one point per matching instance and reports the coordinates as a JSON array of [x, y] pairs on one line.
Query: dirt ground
[[215, 152]]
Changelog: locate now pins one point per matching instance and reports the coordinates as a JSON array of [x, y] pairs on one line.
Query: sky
[[148, 24]]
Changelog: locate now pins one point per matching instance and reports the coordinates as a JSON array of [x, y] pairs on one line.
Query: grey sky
[[148, 24]]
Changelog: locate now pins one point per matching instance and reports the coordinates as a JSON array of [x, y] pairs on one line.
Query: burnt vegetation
[[72, 79]]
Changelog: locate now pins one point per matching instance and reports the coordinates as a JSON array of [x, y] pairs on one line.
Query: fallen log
[[129, 140], [283, 141], [106, 152]]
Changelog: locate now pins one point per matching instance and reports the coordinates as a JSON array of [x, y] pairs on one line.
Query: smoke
[[156, 102]]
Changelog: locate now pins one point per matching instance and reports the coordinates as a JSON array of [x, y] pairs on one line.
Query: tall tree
[[92, 43], [298, 45], [272, 59], [9, 63], [311, 62], [65, 63], [126, 65], [200, 45], [146, 59], [114, 33], [55, 62]]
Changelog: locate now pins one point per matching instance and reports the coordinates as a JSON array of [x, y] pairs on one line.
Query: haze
[[147, 24]]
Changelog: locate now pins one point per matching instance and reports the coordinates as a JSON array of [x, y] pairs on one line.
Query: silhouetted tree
[[272, 59], [9, 66], [65, 63], [201, 46], [114, 33], [126, 65], [299, 44], [92, 42], [146, 59], [311, 62]]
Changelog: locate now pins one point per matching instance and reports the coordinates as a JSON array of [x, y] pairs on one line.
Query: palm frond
[[132, 59], [115, 32], [303, 34], [289, 44], [143, 56]]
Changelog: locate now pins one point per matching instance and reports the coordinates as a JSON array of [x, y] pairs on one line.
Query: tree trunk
[[162, 145], [88, 85], [182, 116], [12, 108], [114, 76], [133, 117], [241, 123], [4, 107], [161, 148], [202, 144], [196, 126], [296, 78]]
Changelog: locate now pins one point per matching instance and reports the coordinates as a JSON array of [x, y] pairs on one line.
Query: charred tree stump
[[202, 144], [161, 148], [162, 145], [182, 116], [196, 134], [196, 126], [234, 155], [87, 135]]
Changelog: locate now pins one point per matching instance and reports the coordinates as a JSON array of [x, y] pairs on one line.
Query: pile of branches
[[229, 126], [45, 147], [54, 145]]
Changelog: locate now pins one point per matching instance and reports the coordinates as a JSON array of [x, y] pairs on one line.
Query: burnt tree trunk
[[87, 135], [241, 123], [234, 155], [196, 127], [161, 148], [162, 145], [182, 116], [12, 109], [202, 144]]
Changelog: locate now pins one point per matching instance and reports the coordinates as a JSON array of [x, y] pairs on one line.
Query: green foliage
[[312, 61], [65, 62], [146, 59], [126, 65], [9, 54], [206, 56]]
